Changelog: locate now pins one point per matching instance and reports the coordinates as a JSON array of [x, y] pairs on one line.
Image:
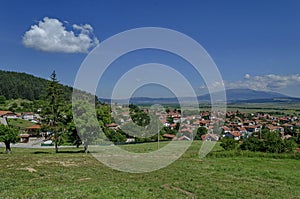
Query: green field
[[283, 107], [40, 173], [290, 108], [19, 123]]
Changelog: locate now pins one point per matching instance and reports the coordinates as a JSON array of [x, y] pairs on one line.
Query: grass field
[[19, 123], [40, 173]]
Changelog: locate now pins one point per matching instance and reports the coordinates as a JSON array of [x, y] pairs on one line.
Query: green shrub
[[271, 143], [252, 144], [229, 144]]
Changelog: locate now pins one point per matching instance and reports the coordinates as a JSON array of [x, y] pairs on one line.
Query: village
[[236, 125], [233, 124], [150, 99]]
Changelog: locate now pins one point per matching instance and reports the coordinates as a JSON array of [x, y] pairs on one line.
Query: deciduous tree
[[86, 122], [200, 131], [8, 135]]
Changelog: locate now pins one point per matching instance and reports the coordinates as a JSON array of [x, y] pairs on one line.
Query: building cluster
[[234, 124], [29, 131], [30, 116]]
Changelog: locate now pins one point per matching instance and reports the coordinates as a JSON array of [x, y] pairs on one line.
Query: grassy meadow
[[19, 123], [40, 173]]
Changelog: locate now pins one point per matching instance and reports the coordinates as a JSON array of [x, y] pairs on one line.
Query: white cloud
[[270, 82], [87, 28], [247, 76], [215, 86], [50, 35]]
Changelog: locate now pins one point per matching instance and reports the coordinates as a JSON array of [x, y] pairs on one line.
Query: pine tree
[[55, 102]]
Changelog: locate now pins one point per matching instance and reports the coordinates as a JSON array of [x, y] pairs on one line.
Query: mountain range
[[240, 95], [21, 85], [232, 96]]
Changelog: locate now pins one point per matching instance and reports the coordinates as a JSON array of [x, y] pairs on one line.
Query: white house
[[27, 116]]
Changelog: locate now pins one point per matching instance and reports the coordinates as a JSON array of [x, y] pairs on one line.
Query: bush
[[271, 143], [200, 131], [229, 144], [115, 136], [252, 144], [289, 145]]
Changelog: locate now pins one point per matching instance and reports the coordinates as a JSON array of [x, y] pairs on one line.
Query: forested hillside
[[14, 85]]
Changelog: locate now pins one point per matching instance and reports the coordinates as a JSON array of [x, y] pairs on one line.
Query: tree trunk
[[77, 143], [7, 146], [57, 140], [56, 146], [85, 146]]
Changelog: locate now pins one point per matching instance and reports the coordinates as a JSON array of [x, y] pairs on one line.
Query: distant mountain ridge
[[15, 85], [232, 96], [247, 94]]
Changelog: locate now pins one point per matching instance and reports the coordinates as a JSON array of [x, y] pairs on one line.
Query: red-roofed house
[[274, 128], [34, 130], [8, 114], [24, 138], [171, 136], [288, 126], [236, 134], [210, 137]]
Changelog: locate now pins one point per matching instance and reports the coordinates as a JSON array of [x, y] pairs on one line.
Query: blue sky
[[255, 44]]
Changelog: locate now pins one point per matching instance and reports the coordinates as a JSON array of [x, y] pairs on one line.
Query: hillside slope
[[15, 85]]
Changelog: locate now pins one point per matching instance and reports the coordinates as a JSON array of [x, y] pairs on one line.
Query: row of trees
[[269, 142]]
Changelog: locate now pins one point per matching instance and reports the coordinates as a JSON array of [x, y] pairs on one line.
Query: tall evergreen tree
[[54, 103]]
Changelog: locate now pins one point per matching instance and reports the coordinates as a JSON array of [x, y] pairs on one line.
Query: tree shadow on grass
[[41, 152], [53, 152], [79, 151]]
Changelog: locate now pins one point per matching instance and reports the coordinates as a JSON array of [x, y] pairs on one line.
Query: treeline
[[14, 85], [265, 141]]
